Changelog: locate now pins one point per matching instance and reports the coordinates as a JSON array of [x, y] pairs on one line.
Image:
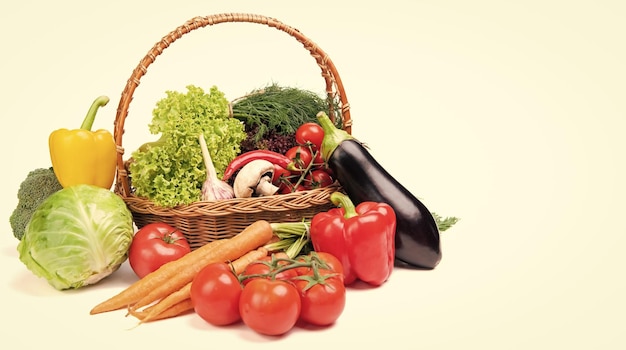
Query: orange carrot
[[188, 273], [154, 311], [163, 304], [177, 309], [239, 265], [138, 289], [174, 275]]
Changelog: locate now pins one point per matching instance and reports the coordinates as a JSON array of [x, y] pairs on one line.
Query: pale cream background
[[509, 114]]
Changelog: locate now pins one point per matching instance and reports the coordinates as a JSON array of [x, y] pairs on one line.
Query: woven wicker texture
[[205, 221]]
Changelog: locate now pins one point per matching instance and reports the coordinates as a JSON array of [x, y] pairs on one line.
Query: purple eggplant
[[363, 179]]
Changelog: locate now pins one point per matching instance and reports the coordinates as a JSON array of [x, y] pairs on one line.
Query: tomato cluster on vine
[[272, 294], [306, 154]]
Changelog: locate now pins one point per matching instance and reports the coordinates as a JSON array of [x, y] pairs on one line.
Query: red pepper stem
[[342, 200], [91, 113]]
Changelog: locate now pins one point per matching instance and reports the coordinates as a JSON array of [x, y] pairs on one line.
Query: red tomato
[[270, 307], [301, 156], [323, 298], [215, 293], [310, 133], [318, 178], [289, 188], [318, 160], [332, 262], [155, 244], [285, 187], [328, 262], [280, 174], [268, 265]]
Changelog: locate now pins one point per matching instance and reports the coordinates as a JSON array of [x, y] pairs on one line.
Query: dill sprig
[[444, 223], [277, 108]]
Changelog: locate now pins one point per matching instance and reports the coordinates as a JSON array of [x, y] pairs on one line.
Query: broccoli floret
[[38, 185]]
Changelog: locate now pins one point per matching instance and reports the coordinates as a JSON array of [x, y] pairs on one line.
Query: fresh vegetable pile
[[235, 279], [201, 142], [74, 231]]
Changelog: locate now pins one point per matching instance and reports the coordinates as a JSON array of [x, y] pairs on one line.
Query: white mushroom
[[255, 180]]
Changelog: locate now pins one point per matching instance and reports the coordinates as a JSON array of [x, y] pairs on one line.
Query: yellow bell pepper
[[82, 156]]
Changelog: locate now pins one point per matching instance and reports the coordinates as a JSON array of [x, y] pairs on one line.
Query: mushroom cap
[[251, 176]]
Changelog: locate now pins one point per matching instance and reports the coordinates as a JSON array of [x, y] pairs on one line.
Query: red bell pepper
[[361, 237]]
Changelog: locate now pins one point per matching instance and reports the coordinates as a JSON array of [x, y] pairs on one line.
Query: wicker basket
[[205, 221]]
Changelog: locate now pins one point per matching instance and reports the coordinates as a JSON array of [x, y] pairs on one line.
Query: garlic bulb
[[213, 187]]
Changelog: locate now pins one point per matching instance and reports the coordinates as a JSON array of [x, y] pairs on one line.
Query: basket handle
[[334, 87]]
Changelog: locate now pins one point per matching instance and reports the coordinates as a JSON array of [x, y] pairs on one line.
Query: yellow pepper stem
[[91, 113], [82, 156]]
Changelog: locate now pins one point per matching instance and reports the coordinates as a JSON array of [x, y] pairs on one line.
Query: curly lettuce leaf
[[172, 172]]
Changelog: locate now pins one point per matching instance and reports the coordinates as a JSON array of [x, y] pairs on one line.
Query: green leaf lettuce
[[170, 171]]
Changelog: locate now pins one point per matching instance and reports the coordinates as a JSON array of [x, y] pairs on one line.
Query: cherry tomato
[[290, 187], [285, 187], [323, 297], [268, 265], [298, 188], [301, 155], [155, 244], [270, 307], [317, 178], [332, 263], [318, 160], [310, 133], [215, 293], [280, 174]]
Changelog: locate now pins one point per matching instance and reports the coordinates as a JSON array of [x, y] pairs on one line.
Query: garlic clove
[[213, 187]]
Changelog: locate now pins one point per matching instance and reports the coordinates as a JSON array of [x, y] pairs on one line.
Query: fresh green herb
[[171, 170], [273, 141], [278, 108], [444, 223], [273, 114]]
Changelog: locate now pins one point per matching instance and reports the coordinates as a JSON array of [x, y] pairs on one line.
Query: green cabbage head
[[77, 236]]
